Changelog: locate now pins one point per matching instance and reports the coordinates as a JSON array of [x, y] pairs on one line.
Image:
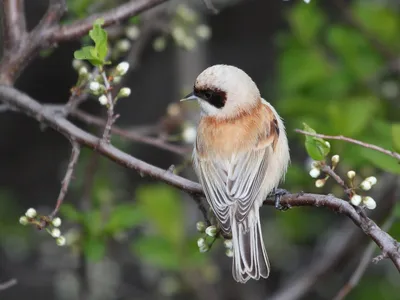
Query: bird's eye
[[207, 95]]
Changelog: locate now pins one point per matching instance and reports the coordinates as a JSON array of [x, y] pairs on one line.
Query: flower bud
[[369, 202], [319, 183], [94, 86], [189, 43], [365, 185], [328, 144], [123, 45], [356, 200], [314, 173], [83, 71], [372, 180], [76, 64], [228, 244], [351, 174], [229, 252], [103, 100], [60, 241], [55, 233], [159, 44], [122, 68], [56, 222], [117, 79], [200, 226], [23, 220], [204, 248], [211, 231], [132, 32], [189, 134], [31, 213], [124, 92], [335, 159], [201, 242], [203, 32]]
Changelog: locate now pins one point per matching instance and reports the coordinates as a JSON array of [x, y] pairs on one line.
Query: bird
[[240, 156]]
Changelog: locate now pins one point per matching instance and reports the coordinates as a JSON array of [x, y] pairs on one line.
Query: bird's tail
[[250, 258]]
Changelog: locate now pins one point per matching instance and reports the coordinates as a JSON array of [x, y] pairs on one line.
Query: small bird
[[240, 155]]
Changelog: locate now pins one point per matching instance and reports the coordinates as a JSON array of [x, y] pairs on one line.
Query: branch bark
[[14, 25], [14, 98]]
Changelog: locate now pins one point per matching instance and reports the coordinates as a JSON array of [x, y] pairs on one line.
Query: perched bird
[[240, 156]]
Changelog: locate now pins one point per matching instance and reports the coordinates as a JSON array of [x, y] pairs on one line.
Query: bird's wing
[[237, 181]]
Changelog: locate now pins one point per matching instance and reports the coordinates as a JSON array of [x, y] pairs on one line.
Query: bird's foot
[[278, 193]]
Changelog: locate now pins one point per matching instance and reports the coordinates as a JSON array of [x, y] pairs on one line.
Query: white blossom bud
[[124, 92], [307, 1], [55, 233], [189, 134], [203, 31], [200, 226], [124, 45], [314, 173], [229, 252], [31, 213], [189, 43], [365, 185], [56, 222], [122, 68], [356, 200], [178, 33], [201, 242], [211, 231], [351, 174], [319, 183], [103, 100], [83, 71], [132, 32], [94, 86], [369, 202], [328, 144], [159, 44], [76, 64], [117, 79], [23, 220], [372, 180], [60, 241], [335, 159], [204, 248], [228, 244]]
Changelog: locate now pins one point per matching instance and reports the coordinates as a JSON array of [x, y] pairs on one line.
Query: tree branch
[[353, 141], [80, 28], [28, 106], [130, 134], [14, 27], [8, 284]]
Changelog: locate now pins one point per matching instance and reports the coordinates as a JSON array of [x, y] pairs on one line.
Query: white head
[[224, 91]]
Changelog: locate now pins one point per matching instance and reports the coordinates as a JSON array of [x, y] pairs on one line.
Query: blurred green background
[[331, 64]]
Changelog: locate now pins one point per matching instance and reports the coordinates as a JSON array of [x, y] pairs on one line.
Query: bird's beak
[[190, 96]]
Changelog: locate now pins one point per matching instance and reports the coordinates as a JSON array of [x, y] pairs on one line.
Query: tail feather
[[250, 258]]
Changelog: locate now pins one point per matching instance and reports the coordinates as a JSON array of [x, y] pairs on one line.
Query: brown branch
[[28, 106], [14, 26], [48, 32], [80, 28], [353, 141], [130, 134], [363, 265], [8, 284], [76, 150]]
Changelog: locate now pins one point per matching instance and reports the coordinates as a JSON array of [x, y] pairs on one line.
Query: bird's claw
[[278, 193]]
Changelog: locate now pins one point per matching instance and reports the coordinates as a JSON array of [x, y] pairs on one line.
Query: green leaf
[[381, 160], [85, 53], [94, 248], [99, 36], [157, 251], [93, 221], [160, 203], [71, 213], [396, 136], [124, 216], [316, 147]]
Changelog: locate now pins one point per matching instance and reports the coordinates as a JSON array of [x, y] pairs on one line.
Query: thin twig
[[353, 141], [79, 28], [8, 284], [363, 265], [14, 26], [210, 6], [110, 110], [30, 107], [76, 149], [131, 134]]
